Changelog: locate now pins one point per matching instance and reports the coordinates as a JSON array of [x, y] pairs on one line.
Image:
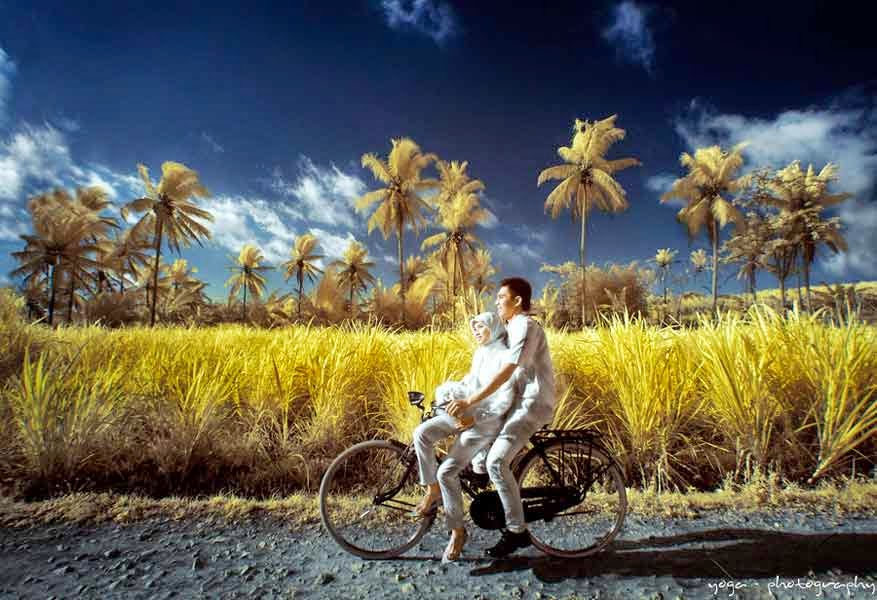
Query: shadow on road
[[729, 553]]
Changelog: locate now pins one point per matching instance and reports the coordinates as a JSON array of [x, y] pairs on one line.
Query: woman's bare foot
[[428, 503], [455, 545]]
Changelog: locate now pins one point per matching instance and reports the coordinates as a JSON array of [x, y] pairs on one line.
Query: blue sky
[[274, 104]]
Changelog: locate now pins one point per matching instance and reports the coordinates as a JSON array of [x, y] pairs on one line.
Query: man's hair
[[519, 286]]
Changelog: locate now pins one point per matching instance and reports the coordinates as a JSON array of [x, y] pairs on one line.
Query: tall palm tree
[[749, 247], [302, 263], [353, 271], [586, 179], [129, 253], [481, 272], [182, 276], [170, 208], [664, 259], [248, 274], [146, 278], [794, 192], [62, 241], [710, 175], [453, 180], [458, 217], [415, 268], [399, 202]]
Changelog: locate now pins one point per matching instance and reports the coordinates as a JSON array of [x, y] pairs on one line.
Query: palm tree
[[710, 175], [586, 179], [796, 191], [62, 240], [664, 258], [326, 297], [182, 276], [399, 202], [453, 180], [248, 274], [128, 253], [481, 272], [146, 279], [457, 218], [548, 303], [353, 271], [302, 263], [749, 247], [415, 268], [170, 209]]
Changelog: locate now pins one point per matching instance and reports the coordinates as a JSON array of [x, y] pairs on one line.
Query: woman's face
[[481, 332]]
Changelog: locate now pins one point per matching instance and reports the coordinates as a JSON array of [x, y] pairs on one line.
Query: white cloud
[[860, 219], [661, 183], [211, 142], [10, 230], [514, 256], [434, 19], [492, 221], [239, 221], [7, 70], [332, 244], [36, 158], [4, 280], [843, 134], [631, 35], [530, 236], [325, 195]]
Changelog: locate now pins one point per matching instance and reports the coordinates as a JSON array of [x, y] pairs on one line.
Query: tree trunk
[[752, 286], [351, 301], [245, 303], [807, 260], [715, 241], [52, 291], [72, 292], [584, 275], [300, 289], [401, 232], [454, 293], [158, 231]]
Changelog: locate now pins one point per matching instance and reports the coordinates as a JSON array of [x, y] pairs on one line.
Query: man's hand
[[457, 407], [464, 423]]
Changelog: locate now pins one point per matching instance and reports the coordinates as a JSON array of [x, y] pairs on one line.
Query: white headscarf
[[493, 323]]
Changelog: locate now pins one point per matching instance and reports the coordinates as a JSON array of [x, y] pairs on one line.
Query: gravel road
[[722, 554]]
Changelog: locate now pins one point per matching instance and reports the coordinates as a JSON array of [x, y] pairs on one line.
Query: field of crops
[[262, 412]]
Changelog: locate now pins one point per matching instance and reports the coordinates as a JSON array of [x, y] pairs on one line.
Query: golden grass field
[[238, 410]]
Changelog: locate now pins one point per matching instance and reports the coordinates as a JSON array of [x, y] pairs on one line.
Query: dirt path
[[758, 555]]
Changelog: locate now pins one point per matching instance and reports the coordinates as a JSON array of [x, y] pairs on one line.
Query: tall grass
[[260, 412]]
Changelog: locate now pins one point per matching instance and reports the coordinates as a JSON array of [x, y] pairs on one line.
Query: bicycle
[[572, 489]]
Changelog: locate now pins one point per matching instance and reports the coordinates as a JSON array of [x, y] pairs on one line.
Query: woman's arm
[[459, 406]]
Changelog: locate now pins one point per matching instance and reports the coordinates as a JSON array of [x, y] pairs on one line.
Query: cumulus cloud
[[35, 158], [433, 19], [844, 133], [661, 183], [514, 256], [211, 142], [332, 245], [239, 221], [11, 230], [324, 195], [7, 70], [631, 36], [491, 222]]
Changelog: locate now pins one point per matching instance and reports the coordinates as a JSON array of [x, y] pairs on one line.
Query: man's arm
[[459, 406]]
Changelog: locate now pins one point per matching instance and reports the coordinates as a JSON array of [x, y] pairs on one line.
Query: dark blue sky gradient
[[272, 82]]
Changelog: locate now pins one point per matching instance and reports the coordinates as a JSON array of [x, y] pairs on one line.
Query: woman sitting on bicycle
[[480, 426]]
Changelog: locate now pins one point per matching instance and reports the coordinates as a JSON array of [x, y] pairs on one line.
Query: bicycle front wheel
[[596, 485], [366, 499]]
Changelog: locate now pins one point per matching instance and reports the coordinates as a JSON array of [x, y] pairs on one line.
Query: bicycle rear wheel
[[595, 484], [366, 499]]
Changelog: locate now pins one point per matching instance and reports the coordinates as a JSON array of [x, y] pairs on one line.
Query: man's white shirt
[[528, 349]]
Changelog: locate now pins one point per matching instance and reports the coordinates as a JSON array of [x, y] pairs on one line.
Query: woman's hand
[[457, 407], [464, 423]]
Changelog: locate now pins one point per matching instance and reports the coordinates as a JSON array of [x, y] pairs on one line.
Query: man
[[528, 350]]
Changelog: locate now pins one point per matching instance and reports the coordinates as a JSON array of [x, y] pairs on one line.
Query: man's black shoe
[[509, 542]]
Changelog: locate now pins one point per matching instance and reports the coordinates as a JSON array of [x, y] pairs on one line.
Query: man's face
[[507, 305]]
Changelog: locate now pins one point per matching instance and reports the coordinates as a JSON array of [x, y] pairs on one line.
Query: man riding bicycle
[[528, 349]]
